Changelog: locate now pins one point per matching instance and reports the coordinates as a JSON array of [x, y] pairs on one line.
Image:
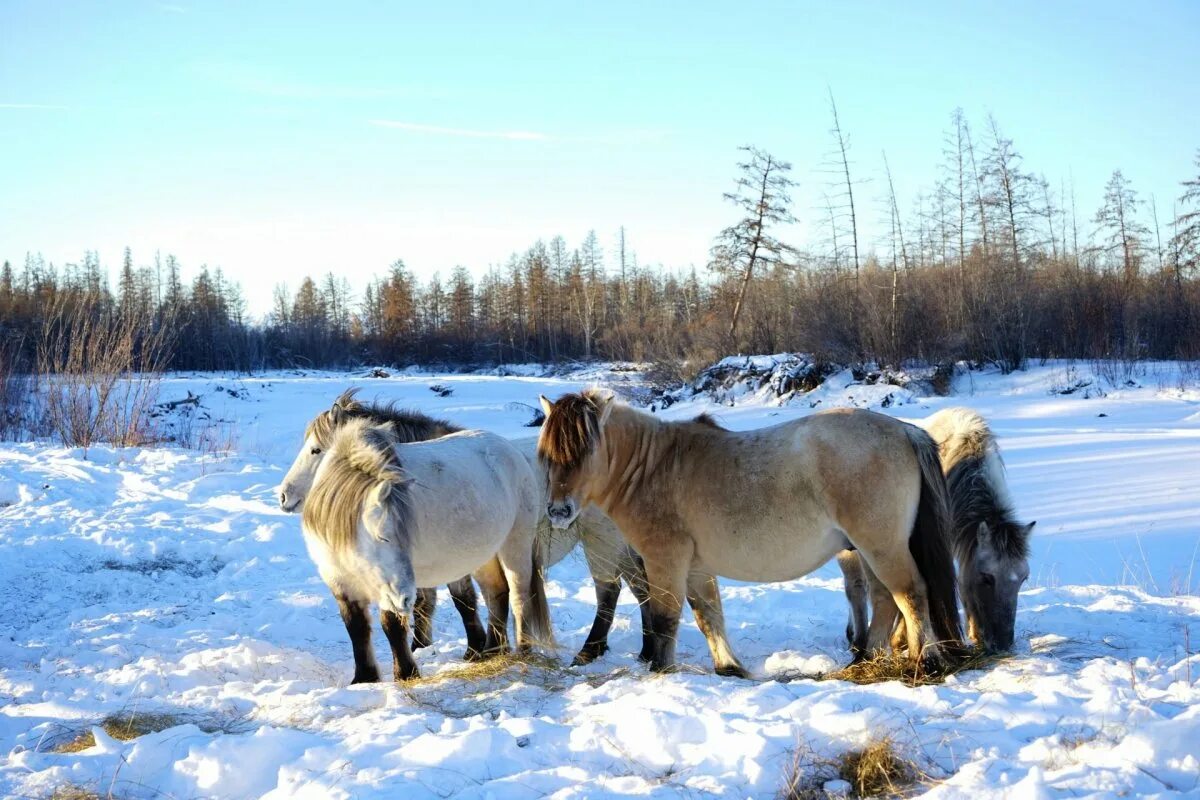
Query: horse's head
[[317, 437], [990, 580], [570, 448]]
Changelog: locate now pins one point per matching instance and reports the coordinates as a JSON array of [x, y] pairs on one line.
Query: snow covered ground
[[166, 581]]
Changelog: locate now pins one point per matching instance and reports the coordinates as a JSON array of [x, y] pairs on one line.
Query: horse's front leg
[[601, 549], [423, 611], [596, 644], [667, 567], [358, 626], [395, 627], [466, 602], [704, 596], [633, 570]]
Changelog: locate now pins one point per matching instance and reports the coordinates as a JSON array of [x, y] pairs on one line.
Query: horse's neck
[[639, 462]]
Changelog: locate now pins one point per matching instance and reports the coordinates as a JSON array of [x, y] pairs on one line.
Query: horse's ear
[[984, 534], [547, 406], [604, 405], [1029, 528], [337, 413]]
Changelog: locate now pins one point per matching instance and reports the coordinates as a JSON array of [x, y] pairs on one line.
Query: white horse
[[381, 518]]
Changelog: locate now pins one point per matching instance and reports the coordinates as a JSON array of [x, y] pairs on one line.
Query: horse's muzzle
[[561, 515]]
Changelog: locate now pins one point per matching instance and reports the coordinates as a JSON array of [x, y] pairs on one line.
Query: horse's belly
[[769, 556]]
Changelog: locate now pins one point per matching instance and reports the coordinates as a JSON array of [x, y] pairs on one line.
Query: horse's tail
[[929, 542], [538, 616]]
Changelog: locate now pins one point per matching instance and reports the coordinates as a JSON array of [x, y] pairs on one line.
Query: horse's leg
[[423, 610], [633, 570], [666, 574], [358, 625], [899, 574], [602, 552], [516, 561], [596, 644], [395, 627], [494, 586], [855, 581], [885, 617], [462, 591], [704, 596]]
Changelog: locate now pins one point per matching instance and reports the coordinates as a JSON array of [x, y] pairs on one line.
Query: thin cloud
[[33, 106], [438, 130]]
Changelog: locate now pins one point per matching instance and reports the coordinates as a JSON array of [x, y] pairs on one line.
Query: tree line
[[992, 262]]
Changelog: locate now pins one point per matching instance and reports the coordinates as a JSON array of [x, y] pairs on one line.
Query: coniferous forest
[[993, 263]]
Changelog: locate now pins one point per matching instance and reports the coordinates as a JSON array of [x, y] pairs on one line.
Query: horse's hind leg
[[423, 610], [704, 596], [494, 585], [395, 627], [358, 626], [855, 581], [462, 591], [898, 572]]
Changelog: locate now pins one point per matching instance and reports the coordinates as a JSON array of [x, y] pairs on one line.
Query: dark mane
[[708, 421], [407, 425], [974, 500], [570, 431]]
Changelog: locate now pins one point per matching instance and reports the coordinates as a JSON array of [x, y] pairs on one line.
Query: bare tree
[[1118, 224], [1186, 239], [762, 195], [842, 143]]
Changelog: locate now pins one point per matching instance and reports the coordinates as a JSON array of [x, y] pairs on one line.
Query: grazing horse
[[697, 501], [382, 517], [407, 426], [990, 546]]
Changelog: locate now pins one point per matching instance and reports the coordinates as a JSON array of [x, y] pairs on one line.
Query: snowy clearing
[[166, 581]]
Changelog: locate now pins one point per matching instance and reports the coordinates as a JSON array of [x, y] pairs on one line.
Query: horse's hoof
[[645, 656], [472, 655], [662, 667], [365, 677], [733, 671], [590, 653], [420, 641], [400, 676]]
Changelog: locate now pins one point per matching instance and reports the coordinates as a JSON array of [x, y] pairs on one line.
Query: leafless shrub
[[101, 369]]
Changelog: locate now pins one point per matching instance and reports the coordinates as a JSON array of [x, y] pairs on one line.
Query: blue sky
[[278, 139]]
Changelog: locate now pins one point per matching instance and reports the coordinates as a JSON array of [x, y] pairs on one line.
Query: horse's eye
[[316, 451], [987, 578]]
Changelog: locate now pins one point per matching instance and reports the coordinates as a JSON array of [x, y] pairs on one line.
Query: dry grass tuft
[[71, 791], [127, 725], [530, 667], [891, 667], [875, 771]]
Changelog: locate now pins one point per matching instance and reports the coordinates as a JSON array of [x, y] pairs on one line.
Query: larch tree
[[762, 195]]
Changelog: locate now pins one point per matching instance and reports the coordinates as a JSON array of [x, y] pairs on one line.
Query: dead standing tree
[[762, 194]]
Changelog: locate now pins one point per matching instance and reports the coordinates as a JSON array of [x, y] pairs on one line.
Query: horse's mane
[[569, 434], [974, 499], [360, 460], [707, 420], [407, 425]]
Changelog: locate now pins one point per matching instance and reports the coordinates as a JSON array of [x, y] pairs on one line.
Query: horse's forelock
[[570, 431]]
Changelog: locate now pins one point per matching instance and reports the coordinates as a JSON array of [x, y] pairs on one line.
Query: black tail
[[930, 543]]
